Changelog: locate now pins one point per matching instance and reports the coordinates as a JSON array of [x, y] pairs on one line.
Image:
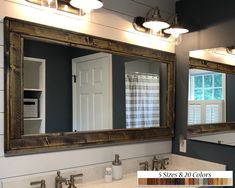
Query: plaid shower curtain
[[142, 100]]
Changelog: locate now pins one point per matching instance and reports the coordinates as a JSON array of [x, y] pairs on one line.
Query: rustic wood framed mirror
[[210, 112], [22, 101]]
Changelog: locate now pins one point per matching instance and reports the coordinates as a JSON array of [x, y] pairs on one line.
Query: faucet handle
[[76, 175], [145, 164], [155, 158], [163, 163], [42, 183], [71, 181], [58, 174]]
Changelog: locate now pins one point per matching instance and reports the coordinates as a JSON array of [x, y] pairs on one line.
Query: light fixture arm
[[175, 19], [156, 11]]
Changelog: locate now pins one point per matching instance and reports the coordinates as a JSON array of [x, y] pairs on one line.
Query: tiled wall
[[11, 167]]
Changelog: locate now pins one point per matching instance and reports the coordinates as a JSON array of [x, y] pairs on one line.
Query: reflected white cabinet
[[34, 95]]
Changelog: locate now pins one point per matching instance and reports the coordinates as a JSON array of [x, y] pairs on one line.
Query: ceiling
[[200, 14]]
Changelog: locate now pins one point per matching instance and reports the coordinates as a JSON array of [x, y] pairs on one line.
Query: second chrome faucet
[[59, 180], [157, 164]]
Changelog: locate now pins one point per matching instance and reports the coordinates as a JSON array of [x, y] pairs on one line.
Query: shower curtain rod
[[144, 73]]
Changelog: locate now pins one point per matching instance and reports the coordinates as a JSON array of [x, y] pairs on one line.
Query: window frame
[[203, 73]]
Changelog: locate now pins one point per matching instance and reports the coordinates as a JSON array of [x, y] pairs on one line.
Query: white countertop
[[128, 181]]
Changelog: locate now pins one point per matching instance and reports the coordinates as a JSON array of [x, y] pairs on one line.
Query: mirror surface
[[211, 96], [73, 89]]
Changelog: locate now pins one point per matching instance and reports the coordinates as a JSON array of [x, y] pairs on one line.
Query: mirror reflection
[[211, 96], [207, 97], [73, 89]]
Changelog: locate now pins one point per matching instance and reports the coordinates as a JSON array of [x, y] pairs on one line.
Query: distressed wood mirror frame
[[199, 129], [16, 143]]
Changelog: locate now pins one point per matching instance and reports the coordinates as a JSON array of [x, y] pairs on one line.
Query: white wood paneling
[[1, 78], [1, 101], [1, 123], [1, 55], [30, 164], [117, 20], [1, 147], [122, 32]]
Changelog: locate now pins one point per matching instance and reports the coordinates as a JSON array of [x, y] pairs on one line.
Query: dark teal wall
[[213, 23], [230, 98]]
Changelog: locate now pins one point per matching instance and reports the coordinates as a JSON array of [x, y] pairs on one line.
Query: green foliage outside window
[[208, 87]]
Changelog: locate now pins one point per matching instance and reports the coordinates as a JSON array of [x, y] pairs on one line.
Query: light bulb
[[156, 26], [86, 5], [176, 31]]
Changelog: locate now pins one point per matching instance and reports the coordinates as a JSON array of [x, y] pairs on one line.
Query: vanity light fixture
[[86, 5], [154, 21], [155, 24]]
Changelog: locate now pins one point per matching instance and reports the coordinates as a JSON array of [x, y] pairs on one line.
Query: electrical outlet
[[183, 145]]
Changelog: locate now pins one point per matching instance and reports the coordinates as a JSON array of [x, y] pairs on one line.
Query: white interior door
[[92, 92]]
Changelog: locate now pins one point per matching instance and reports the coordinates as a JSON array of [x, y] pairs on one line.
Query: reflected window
[[206, 97]]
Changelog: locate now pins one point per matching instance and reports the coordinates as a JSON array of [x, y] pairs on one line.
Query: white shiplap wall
[[104, 23]]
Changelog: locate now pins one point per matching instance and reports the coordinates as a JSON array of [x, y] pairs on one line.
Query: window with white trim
[[206, 97]]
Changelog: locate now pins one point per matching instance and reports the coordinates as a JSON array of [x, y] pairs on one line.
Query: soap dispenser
[[117, 168]]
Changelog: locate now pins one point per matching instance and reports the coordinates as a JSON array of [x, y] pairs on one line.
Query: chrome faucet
[[163, 163], [145, 164], [71, 181], [59, 180], [159, 162], [155, 164]]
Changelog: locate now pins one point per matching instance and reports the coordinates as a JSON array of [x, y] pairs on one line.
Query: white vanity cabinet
[[34, 95], [93, 175]]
